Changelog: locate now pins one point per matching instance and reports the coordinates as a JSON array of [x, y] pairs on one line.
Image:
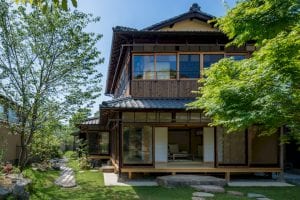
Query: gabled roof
[[147, 103], [194, 13], [124, 36]]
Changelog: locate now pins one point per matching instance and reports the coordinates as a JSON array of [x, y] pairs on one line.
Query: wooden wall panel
[[163, 88]]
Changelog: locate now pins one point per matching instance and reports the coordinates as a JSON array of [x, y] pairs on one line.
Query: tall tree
[[263, 90], [47, 61], [46, 4]]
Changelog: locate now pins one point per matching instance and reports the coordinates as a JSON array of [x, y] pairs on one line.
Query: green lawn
[[91, 186]]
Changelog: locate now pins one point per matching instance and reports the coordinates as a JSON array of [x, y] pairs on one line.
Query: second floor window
[[169, 66], [143, 67], [189, 66], [166, 67], [210, 59]]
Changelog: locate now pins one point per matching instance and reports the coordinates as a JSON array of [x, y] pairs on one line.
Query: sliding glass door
[[98, 143], [137, 145]]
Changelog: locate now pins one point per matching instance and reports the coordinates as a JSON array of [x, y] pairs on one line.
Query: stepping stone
[[188, 180], [264, 198], [4, 193], [209, 188], [197, 198], [254, 195], [202, 194], [66, 178], [235, 193]]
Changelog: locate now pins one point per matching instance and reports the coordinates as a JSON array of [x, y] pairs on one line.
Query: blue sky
[[137, 14]]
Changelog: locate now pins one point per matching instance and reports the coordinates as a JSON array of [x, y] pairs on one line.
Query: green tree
[[263, 90], [47, 63], [46, 4]]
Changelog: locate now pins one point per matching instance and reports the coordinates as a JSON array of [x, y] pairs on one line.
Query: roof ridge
[[194, 11]]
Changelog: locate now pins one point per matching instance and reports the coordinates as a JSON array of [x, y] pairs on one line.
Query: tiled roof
[[91, 121], [194, 12], [146, 103]]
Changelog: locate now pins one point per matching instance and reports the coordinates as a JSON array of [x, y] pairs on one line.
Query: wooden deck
[[98, 157], [197, 167]]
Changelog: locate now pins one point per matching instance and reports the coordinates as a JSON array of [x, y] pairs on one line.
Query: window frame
[[177, 54]]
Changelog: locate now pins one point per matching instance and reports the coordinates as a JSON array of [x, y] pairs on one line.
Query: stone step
[[189, 180], [107, 169]]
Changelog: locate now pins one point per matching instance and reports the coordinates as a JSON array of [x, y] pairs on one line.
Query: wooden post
[[281, 175], [227, 177], [129, 175], [216, 161]]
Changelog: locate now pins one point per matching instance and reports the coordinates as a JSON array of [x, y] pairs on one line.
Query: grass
[[91, 186]]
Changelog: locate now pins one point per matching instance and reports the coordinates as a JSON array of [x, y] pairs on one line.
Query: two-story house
[[151, 75]]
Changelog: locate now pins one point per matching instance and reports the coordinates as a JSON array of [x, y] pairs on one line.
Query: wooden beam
[[281, 175], [227, 177], [216, 162], [129, 175], [201, 170]]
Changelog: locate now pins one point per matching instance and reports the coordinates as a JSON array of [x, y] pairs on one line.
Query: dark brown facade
[[151, 76]]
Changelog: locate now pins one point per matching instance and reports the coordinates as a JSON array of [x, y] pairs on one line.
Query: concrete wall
[[9, 142], [161, 144], [208, 144]]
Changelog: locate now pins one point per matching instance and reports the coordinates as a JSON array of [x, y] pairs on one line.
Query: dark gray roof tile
[[146, 103]]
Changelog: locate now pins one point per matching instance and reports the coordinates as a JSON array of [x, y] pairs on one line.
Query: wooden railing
[[164, 88]]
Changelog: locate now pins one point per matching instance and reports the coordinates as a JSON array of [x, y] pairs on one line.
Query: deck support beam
[[129, 175], [281, 175], [227, 177]]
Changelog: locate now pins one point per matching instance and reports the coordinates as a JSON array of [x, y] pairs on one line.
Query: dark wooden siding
[[163, 88]]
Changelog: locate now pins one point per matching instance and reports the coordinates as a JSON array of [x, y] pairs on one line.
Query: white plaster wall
[[161, 144], [208, 144]]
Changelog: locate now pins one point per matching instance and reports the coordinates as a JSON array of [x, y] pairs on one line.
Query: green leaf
[[74, 2], [64, 5]]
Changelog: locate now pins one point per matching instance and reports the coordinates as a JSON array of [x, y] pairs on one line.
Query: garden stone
[[4, 193], [254, 195], [235, 193], [19, 191], [197, 198], [202, 194], [14, 177], [188, 180], [209, 188], [264, 198], [66, 178]]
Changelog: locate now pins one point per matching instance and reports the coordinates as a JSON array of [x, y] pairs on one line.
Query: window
[[12, 116], [104, 143], [165, 117], [189, 66], [137, 145], [128, 116], [182, 117], [140, 117], [151, 117], [99, 143], [2, 113], [236, 57], [166, 66], [143, 67], [210, 59], [195, 117]]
